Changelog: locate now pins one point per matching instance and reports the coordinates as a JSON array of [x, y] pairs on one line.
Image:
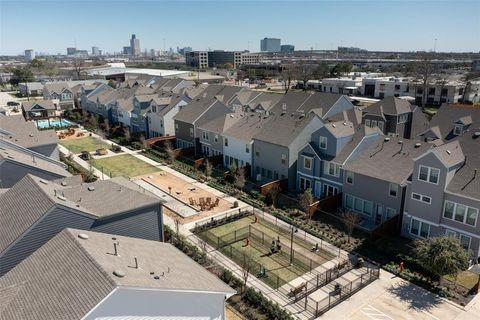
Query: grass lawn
[[466, 278], [123, 165], [89, 144]]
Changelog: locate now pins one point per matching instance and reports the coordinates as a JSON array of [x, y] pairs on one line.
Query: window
[[154, 109], [348, 201], [444, 92], [374, 123], [257, 153], [419, 228], [380, 125], [305, 183], [403, 118], [323, 143], [458, 130], [284, 158], [349, 178], [382, 86], [393, 190], [269, 174], [367, 122], [247, 148], [225, 142], [161, 123], [460, 213], [390, 212], [421, 198], [205, 135], [428, 174], [397, 87], [381, 95], [331, 168], [368, 207], [307, 163], [464, 239], [216, 138], [176, 126], [191, 132], [431, 91]]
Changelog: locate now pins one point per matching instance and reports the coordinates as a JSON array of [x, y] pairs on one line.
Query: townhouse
[[185, 120], [163, 109], [443, 194], [295, 117], [46, 207], [60, 92], [375, 182], [88, 275], [395, 117]]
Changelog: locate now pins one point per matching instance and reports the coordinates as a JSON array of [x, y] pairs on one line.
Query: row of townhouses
[[87, 247]]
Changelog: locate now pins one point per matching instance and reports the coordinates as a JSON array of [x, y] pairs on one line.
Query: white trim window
[[322, 144], [225, 142], [419, 228], [460, 213], [358, 205], [390, 212], [205, 135], [307, 162], [393, 190], [191, 132], [216, 138], [367, 123], [428, 174], [331, 168], [349, 177], [305, 183], [421, 198]]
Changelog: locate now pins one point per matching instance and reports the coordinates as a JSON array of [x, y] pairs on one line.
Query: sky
[[407, 25]]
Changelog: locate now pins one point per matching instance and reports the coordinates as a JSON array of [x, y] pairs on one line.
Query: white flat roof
[[152, 72]]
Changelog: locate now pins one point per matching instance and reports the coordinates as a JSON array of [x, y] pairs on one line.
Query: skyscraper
[[29, 54], [270, 45], [135, 45], [95, 51]]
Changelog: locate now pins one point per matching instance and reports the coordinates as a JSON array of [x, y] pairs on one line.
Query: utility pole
[[435, 45], [292, 231]]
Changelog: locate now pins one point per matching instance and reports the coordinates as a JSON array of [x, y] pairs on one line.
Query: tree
[[78, 64], [208, 168], [273, 193], [126, 134], [322, 71], [305, 200], [239, 182], [289, 73], [305, 73], [351, 219], [37, 63], [341, 69], [442, 255], [423, 71], [246, 266], [171, 154], [112, 83], [21, 74]]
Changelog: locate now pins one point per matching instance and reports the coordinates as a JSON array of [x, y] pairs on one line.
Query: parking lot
[[391, 298]]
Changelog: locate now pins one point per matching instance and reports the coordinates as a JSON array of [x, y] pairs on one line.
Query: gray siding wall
[[434, 191], [183, 131], [144, 223], [331, 141], [11, 173], [270, 158], [52, 223], [343, 104], [377, 118], [376, 191], [308, 151], [218, 145]]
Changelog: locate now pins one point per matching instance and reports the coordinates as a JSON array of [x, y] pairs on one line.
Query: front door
[[379, 214]]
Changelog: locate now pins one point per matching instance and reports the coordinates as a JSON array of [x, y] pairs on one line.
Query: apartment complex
[[211, 59]]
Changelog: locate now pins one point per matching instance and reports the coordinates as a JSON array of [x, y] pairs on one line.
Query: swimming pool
[[45, 124]]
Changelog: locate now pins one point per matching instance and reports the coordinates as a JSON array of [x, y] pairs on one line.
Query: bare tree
[[208, 169], [246, 266], [172, 155], [127, 134], [143, 141], [106, 125], [288, 74], [305, 73], [239, 182], [273, 193], [305, 200], [350, 219], [424, 70], [78, 65]]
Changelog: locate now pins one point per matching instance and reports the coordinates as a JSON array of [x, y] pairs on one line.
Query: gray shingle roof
[[56, 87], [390, 105], [25, 133], [247, 127], [450, 154], [69, 276], [45, 104], [390, 161], [463, 182]]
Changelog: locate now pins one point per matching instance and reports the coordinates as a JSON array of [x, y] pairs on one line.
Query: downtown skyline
[[203, 25]]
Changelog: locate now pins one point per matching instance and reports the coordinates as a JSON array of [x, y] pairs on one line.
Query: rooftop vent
[[333, 125], [344, 123], [386, 139], [119, 273], [449, 152], [31, 135], [62, 198], [43, 181], [83, 236], [283, 113], [156, 277], [476, 134], [418, 145], [400, 141], [63, 183], [91, 188]]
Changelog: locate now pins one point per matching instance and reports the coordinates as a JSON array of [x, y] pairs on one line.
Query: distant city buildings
[[270, 45], [211, 59], [29, 54], [184, 50], [287, 48], [71, 51], [96, 51], [135, 45]]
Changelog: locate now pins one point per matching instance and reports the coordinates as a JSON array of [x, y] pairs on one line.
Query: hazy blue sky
[[52, 26]]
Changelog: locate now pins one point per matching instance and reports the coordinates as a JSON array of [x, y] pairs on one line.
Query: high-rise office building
[[95, 51], [287, 48], [29, 54], [135, 45], [71, 51], [270, 45]]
